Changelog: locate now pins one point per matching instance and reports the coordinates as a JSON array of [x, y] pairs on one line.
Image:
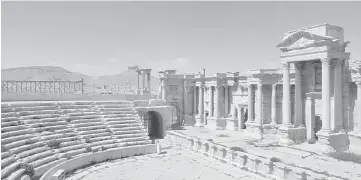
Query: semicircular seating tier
[[36, 136]]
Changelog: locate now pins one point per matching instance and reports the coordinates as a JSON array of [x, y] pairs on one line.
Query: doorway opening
[[154, 123]]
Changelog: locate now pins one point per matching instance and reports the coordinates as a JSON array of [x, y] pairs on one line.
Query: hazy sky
[[102, 38]]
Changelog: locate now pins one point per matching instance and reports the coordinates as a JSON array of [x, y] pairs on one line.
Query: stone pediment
[[304, 39]]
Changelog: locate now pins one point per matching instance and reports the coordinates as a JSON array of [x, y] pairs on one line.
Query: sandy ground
[[174, 164]]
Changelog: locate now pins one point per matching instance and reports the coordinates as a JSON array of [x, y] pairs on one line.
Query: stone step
[[15, 133], [24, 144], [9, 119], [107, 146], [120, 119], [57, 136], [32, 104], [16, 138], [5, 154], [26, 113], [47, 124], [99, 143], [30, 152], [76, 113], [16, 175], [88, 128], [44, 120], [117, 115], [67, 139], [73, 152], [101, 138], [40, 116], [81, 121], [7, 109], [88, 124], [72, 147], [124, 136], [96, 135], [52, 128], [141, 138], [9, 169], [37, 156], [12, 128], [135, 143], [118, 127], [10, 114], [69, 143], [123, 122], [122, 109], [11, 123], [7, 161], [43, 161], [95, 131], [140, 131], [35, 108]]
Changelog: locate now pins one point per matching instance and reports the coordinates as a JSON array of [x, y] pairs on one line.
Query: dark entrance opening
[[154, 123]]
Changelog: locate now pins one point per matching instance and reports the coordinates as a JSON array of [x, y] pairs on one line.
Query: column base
[[254, 130], [199, 121], [269, 129], [189, 120], [231, 124], [333, 142], [291, 135], [355, 141], [145, 92], [211, 123]]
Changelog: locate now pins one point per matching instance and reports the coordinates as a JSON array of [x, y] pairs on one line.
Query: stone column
[[286, 101], [259, 114], [164, 90], [199, 118], [216, 108], [338, 102], [211, 101], [310, 118], [148, 79], [358, 103], [274, 104], [226, 98], [194, 100], [326, 63], [250, 104], [298, 95], [240, 118], [185, 99], [143, 80]]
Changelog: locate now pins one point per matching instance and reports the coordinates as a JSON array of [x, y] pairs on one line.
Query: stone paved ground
[[304, 155], [175, 164]]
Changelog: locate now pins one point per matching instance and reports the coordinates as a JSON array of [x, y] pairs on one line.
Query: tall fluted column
[[250, 104], [211, 101], [200, 101], [226, 98], [286, 101], [326, 63], [216, 108], [240, 117], [143, 80], [274, 104], [259, 114], [195, 100], [338, 102], [185, 99], [164, 90], [310, 118], [358, 103], [298, 95], [148, 79]]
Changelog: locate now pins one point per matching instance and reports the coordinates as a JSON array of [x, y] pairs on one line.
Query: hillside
[[50, 73]]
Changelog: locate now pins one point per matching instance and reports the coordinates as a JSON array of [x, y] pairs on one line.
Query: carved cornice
[[285, 65]]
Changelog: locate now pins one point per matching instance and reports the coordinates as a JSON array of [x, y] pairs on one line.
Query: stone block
[[333, 142], [355, 141], [211, 123], [231, 124], [254, 131], [156, 102]]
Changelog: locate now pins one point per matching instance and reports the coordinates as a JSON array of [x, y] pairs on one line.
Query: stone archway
[[154, 123]]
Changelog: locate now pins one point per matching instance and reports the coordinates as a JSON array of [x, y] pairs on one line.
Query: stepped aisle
[[35, 136]]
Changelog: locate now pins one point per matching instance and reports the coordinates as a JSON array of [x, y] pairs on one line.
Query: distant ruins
[[315, 95]]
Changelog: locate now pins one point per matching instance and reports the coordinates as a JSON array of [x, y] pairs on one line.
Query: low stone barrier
[[270, 168], [98, 157]]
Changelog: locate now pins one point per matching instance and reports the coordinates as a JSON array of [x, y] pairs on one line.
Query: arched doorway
[[154, 122]]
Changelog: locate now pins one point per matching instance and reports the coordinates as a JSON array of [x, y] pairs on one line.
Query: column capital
[[285, 65], [299, 65], [326, 62], [358, 82]]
